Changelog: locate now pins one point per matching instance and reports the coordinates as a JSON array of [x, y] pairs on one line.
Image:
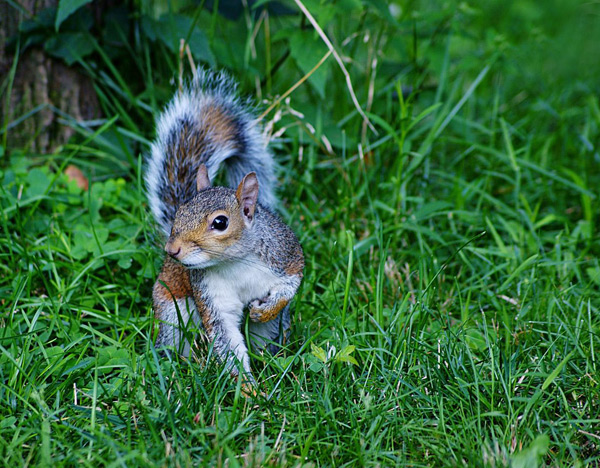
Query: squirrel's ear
[[247, 194], [202, 180]]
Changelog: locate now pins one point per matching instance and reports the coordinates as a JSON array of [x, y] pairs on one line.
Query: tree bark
[[42, 83]]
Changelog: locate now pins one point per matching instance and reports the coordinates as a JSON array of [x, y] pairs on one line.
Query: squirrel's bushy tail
[[207, 124]]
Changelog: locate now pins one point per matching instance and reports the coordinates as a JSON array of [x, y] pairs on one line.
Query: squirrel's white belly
[[235, 285]]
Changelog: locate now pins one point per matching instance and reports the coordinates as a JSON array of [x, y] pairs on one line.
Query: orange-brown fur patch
[[271, 313], [209, 240], [222, 127], [238, 191], [177, 279], [191, 143], [296, 266], [204, 312]]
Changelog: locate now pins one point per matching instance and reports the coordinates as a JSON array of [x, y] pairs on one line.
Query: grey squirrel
[[226, 250]]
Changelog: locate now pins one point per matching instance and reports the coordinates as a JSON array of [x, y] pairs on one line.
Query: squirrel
[[227, 251]]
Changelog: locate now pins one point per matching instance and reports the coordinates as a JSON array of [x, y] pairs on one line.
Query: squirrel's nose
[[173, 250]]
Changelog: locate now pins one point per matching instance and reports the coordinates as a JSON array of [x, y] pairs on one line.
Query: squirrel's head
[[207, 229]]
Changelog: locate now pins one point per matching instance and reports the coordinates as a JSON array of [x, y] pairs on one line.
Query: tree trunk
[[42, 85]]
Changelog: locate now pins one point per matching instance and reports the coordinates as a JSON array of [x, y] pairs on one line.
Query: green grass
[[449, 313]]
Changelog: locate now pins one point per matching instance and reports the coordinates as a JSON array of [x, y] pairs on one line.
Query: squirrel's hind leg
[[174, 307]]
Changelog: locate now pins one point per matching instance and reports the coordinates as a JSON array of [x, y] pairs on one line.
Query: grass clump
[[449, 312]]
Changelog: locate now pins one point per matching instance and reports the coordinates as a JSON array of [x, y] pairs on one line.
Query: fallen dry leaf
[[74, 173]]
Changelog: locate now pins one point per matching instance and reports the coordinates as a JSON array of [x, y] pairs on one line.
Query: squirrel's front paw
[[267, 308], [256, 309]]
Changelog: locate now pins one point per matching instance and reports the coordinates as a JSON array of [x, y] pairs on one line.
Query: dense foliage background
[[449, 313]]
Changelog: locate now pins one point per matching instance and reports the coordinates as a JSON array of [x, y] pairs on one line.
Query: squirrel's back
[[207, 124]]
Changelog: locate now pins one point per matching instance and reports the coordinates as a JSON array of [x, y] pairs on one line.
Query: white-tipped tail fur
[[207, 124]]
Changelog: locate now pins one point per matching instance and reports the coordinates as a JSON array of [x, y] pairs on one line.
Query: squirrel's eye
[[220, 223]]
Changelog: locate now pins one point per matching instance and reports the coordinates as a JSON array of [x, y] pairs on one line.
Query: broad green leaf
[[70, 47], [323, 12], [530, 456], [475, 339], [345, 355], [307, 48], [284, 362], [66, 8], [110, 357], [318, 352], [125, 262], [54, 351], [37, 181], [170, 29], [42, 20]]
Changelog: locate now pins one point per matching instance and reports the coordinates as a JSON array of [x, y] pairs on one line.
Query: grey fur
[[208, 124], [185, 140]]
